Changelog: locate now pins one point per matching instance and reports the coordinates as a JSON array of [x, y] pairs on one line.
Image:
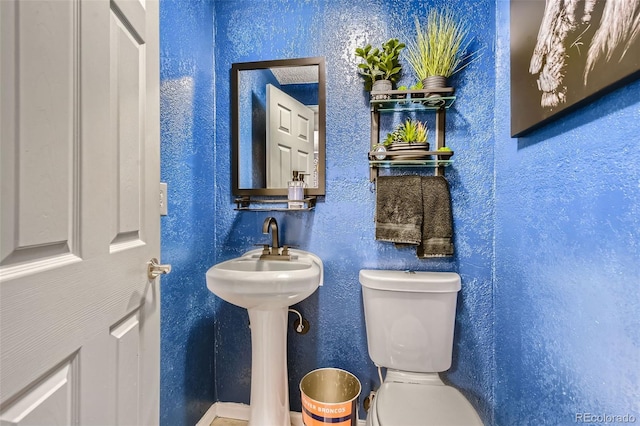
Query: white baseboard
[[208, 417], [233, 410], [229, 410]]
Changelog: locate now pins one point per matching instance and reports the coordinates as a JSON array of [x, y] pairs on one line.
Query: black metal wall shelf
[[410, 100], [429, 100], [411, 158]]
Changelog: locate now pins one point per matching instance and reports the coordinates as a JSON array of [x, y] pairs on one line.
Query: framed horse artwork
[[565, 53]]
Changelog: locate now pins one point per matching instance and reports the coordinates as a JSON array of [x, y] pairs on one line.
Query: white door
[[290, 127], [79, 127]]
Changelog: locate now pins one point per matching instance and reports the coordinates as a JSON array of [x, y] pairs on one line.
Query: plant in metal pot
[[441, 49], [445, 152], [401, 95], [380, 64], [409, 132], [417, 86]]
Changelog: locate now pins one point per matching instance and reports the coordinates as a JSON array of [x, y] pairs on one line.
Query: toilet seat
[[410, 404]]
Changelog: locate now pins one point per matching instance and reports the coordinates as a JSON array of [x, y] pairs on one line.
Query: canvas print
[[566, 52]]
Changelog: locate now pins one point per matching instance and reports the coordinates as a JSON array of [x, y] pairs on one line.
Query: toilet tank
[[410, 318]]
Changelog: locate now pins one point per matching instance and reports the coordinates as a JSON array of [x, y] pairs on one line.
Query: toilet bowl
[[415, 403], [410, 319]]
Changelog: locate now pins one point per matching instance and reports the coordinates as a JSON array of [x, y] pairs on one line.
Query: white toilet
[[410, 320]]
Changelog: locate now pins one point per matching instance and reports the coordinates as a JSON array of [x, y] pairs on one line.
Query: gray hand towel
[[437, 224], [399, 209]]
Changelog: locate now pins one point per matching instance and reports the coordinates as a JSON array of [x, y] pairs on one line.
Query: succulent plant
[[410, 131], [422, 133], [396, 136]]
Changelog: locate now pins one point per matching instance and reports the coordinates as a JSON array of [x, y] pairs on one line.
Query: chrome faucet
[[271, 223]]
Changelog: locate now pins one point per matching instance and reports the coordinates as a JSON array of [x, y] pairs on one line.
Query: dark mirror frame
[[235, 130]]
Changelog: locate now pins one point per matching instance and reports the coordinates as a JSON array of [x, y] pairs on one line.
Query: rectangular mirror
[[278, 125]]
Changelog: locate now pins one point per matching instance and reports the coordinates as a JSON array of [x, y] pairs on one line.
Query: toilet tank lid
[[410, 281]]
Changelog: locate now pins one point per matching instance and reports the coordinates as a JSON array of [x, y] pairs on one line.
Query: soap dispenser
[[296, 191]]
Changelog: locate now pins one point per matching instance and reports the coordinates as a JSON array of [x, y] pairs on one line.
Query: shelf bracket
[[243, 202], [441, 117]]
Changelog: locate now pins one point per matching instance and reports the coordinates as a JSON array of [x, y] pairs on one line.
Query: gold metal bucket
[[330, 396]]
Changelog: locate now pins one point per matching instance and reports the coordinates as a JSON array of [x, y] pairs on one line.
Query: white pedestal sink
[[266, 288]]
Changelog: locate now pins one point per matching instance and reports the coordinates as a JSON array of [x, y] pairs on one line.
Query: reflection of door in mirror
[[290, 138], [270, 142]]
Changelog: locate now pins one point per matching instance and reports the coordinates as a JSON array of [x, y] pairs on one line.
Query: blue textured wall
[[187, 148], [567, 296], [566, 209], [340, 230]]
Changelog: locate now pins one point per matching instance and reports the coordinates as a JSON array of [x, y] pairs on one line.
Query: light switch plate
[[163, 199]]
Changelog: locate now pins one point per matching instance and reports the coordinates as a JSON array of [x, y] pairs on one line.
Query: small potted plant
[[440, 49], [445, 152], [417, 86], [381, 67], [401, 95], [411, 134]]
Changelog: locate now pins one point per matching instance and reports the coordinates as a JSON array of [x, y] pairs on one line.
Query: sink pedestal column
[[269, 405]]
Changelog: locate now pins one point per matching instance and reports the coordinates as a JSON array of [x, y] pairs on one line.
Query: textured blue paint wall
[[567, 294], [187, 148], [340, 229]]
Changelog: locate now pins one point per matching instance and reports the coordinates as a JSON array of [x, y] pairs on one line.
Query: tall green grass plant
[[440, 49]]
